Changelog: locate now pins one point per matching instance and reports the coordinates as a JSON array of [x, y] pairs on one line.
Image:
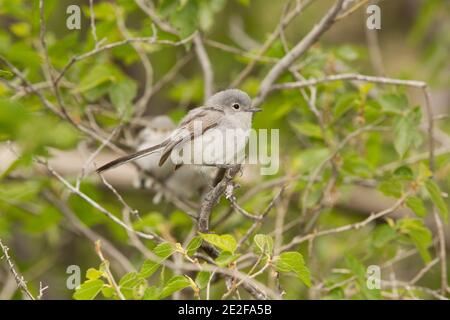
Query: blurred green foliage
[[112, 82]]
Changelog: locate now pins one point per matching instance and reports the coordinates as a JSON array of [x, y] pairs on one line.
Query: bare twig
[[109, 276], [299, 239], [208, 73], [92, 19], [21, 283], [284, 22], [80, 228], [96, 204], [325, 23]]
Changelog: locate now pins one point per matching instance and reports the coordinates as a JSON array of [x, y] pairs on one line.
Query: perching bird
[[157, 130], [214, 133]]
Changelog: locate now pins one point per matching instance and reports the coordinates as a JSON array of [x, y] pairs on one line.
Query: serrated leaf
[[148, 268], [225, 258], [436, 197], [132, 285], [151, 293], [164, 250], [175, 284], [406, 133], [391, 187], [293, 262], [202, 279], [394, 103], [193, 245], [264, 243], [88, 290], [225, 242], [418, 234], [416, 204]]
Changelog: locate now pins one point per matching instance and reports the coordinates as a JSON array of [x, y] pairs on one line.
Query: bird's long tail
[[134, 156]]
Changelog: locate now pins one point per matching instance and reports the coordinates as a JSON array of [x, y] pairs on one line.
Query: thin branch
[[96, 204], [109, 276], [347, 76], [92, 19], [325, 23], [300, 239], [284, 22], [80, 228], [149, 10], [208, 73], [21, 283], [149, 40]]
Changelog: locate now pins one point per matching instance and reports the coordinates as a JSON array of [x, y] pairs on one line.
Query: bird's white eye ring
[[236, 106]]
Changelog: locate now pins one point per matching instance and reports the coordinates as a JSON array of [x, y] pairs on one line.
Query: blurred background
[[49, 228]]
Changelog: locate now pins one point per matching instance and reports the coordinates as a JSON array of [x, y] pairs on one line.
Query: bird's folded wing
[[202, 118]]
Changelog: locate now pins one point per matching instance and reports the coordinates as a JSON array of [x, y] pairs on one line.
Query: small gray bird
[[227, 111], [187, 182]]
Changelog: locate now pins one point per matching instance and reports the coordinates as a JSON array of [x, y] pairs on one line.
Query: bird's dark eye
[[236, 106]]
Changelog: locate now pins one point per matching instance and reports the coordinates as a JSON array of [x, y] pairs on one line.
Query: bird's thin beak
[[254, 110]]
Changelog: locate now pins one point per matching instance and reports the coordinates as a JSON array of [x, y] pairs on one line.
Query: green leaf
[[404, 173], [308, 129], [264, 244], [98, 75], [21, 29], [151, 293], [416, 231], [88, 290], [122, 94], [416, 205], [406, 133], [202, 279], [225, 258], [394, 103], [193, 245], [164, 250], [108, 292], [148, 268], [424, 173], [383, 235], [93, 274], [391, 187], [436, 197], [6, 74], [175, 284], [359, 270], [293, 262], [344, 103], [225, 242], [132, 285]]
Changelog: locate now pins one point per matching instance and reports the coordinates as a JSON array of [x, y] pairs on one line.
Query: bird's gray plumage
[[224, 103]]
